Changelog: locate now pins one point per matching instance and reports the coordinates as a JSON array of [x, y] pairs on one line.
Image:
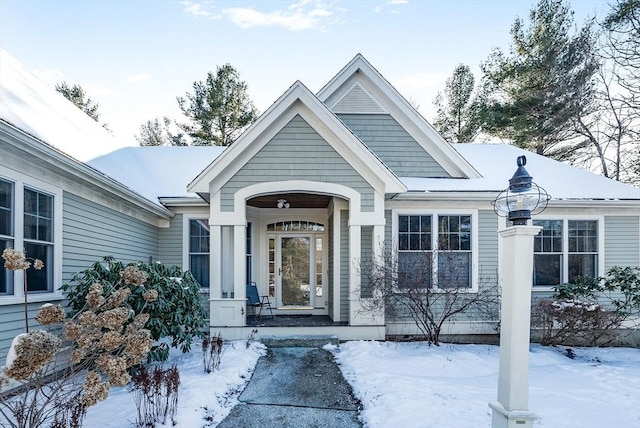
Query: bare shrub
[[408, 288], [212, 348], [155, 393]]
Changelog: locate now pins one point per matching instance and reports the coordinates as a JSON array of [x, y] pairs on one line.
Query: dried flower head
[[94, 296], [150, 296], [111, 340], [15, 260], [115, 368], [38, 264], [88, 319], [50, 314], [94, 390], [71, 330], [133, 275], [118, 298], [33, 350], [140, 320], [113, 319], [138, 342]]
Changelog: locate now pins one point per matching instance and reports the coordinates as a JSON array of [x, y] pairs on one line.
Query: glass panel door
[[295, 270]]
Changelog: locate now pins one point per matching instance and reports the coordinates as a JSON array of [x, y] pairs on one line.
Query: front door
[[295, 279]]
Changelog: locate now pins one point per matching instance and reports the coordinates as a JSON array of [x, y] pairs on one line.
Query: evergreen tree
[[77, 95], [457, 117], [544, 84], [153, 132], [219, 108]]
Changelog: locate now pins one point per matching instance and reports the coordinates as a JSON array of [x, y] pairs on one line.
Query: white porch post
[[511, 409], [355, 244], [215, 262], [239, 267]]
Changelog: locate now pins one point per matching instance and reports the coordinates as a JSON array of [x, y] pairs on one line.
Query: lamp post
[[522, 199]]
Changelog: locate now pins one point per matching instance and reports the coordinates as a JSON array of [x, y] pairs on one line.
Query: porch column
[[215, 262], [239, 264], [355, 253]]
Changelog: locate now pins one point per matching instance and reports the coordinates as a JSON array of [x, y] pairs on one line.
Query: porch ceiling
[[295, 200]]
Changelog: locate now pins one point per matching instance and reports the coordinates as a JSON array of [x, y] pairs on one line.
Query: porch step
[[299, 341]]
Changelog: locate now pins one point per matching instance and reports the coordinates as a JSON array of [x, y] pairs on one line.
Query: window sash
[[199, 245], [420, 256], [571, 242]]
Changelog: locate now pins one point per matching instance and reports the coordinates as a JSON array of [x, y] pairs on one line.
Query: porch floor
[[292, 321]]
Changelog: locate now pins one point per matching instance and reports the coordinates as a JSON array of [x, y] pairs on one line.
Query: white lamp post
[[522, 199]]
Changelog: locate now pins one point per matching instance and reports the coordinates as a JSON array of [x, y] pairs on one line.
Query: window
[[31, 222], [442, 258], [199, 250], [565, 249], [38, 238], [6, 233]]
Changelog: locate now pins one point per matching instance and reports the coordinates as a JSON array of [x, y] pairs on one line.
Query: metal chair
[[255, 301]]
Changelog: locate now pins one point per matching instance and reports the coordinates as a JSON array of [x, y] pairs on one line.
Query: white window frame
[[20, 182], [565, 244], [434, 236]]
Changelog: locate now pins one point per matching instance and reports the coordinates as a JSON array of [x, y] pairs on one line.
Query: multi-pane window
[[454, 251], [564, 250], [38, 238], [415, 255], [443, 257], [199, 250], [6, 233]]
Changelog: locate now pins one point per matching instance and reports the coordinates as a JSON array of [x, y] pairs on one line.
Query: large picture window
[[564, 250], [199, 250], [435, 250]]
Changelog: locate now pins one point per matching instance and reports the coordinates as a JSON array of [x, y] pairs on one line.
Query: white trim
[[434, 213], [20, 181]]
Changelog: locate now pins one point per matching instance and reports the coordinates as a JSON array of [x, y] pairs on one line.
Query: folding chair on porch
[[255, 301]]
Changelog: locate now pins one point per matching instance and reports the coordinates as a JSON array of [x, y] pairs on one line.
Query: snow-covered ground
[[414, 385]]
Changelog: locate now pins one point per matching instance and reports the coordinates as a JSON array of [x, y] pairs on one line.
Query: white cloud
[[137, 78], [199, 10], [303, 15], [398, 1]]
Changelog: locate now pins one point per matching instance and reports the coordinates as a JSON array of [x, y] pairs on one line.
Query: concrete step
[[300, 341]]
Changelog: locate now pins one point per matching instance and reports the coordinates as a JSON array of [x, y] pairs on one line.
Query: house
[[318, 183]]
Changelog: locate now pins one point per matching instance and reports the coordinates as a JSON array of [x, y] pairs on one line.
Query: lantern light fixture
[[282, 203], [522, 199]]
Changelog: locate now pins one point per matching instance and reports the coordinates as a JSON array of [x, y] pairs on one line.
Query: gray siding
[[297, 152], [91, 231], [621, 241], [170, 251], [344, 265], [487, 249], [393, 145]]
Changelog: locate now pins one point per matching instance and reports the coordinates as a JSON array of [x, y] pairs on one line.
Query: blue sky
[[135, 57]]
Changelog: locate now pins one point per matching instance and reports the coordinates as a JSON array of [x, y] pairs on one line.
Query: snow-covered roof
[[39, 110], [155, 172], [497, 163]]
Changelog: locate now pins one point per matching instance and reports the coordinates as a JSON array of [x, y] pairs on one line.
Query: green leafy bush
[[175, 314], [589, 311]]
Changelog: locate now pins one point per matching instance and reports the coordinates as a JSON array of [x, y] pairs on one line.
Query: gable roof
[[360, 76], [40, 111], [297, 100]]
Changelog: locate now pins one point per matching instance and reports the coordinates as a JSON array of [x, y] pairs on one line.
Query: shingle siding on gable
[[297, 152], [621, 241], [393, 145]]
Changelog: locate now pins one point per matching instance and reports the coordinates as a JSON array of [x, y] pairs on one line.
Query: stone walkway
[[299, 387]]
